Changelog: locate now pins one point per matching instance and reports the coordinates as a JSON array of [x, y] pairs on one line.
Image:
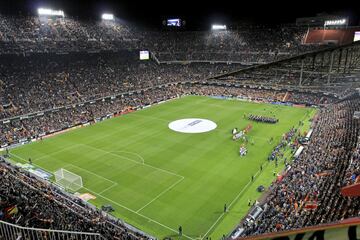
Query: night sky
[[198, 14]]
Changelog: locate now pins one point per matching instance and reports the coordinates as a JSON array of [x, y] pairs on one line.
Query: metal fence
[[10, 231]]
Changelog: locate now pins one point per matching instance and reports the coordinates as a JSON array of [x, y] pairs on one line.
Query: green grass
[[186, 178]]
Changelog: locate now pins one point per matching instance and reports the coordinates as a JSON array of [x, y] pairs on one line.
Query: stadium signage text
[[336, 22], [50, 12]]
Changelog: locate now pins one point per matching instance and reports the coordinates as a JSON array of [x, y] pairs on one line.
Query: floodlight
[[218, 27], [107, 16]]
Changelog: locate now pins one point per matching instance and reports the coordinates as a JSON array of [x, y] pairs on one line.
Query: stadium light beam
[[50, 12], [108, 16], [218, 27]]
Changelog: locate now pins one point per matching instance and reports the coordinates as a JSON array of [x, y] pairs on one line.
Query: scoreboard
[[144, 55]]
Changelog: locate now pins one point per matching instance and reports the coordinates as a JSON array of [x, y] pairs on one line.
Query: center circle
[[192, 125]]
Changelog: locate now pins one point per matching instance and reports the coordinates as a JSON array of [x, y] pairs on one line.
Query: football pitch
[[157, 179]]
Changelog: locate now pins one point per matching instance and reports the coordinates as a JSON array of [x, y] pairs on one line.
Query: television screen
[[174, 22], [144, 55], [356, 36]]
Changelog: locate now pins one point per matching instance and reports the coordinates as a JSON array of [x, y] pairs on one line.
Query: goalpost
[[68, 180]]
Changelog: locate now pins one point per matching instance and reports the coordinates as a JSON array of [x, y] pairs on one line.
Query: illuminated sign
[[174, 22], [218, 27], [336, 22], [144, 55], [357, 36], [107, 16], [50, 12]]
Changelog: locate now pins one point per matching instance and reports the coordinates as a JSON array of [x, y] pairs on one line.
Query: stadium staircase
[[153, 56], [286, 97]]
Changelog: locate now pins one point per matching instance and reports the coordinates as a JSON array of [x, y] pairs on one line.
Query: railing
[[10, 231]]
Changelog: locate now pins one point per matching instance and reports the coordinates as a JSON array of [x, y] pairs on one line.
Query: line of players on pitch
[[236, 135], [263, 119]]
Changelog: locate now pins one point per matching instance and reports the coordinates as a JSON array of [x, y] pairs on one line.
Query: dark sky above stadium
[[198, 14]]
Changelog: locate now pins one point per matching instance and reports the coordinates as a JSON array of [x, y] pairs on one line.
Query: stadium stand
[[29, 202], [60, 73], [309, 192], [257, 44]]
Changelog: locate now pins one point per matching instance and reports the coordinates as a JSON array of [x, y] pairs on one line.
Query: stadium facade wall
[[331, 36]]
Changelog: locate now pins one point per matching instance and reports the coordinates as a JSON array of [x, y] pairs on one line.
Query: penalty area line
[[160, 194], [141, 215], [116, 203]]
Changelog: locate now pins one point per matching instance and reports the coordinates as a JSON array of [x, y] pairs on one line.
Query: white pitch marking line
[[163, 192], [141, 215], [53, 153], [114, 185], [136, 154], [21, 158], [132, 160], [118, 204], [120, 130], [233, 201]]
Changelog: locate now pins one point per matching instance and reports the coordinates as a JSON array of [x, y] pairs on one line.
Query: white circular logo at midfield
[[192, 125]]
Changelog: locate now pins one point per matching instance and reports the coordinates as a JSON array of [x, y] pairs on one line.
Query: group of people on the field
[[263, 119]]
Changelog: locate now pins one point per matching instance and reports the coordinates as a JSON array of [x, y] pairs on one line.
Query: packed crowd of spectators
[[33, 34], [58, 119], [37, 83], [249, 44], [285, 143], [28, 202], [353, 172], [309, 192], [81, 85], [74, 115]]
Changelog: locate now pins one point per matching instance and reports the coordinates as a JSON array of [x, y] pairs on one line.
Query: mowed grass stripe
[[213, 172]]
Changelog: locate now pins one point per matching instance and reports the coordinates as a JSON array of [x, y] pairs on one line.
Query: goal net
[[68, 180]]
